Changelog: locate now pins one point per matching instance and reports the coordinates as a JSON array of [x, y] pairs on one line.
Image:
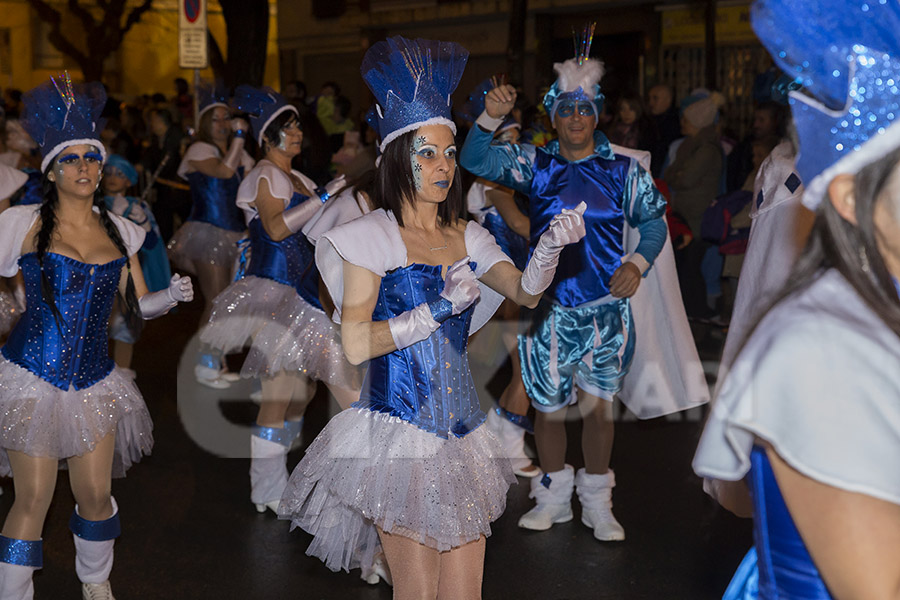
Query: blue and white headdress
[[412, 82], [58, 115], [577, 78], [474, 105], [847, 55], [263, 105], [209, 96]]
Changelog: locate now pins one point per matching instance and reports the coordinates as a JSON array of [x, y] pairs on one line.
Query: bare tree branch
[[84, 15], [136, 15]]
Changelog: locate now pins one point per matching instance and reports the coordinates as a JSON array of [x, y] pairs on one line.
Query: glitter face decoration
[[77, 166], [419, 142], [433, 161]]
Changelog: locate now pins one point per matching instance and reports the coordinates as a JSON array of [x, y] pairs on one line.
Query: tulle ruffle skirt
[[368, 469], [199, 243], [41, 420], [284, 331], [9, 313]]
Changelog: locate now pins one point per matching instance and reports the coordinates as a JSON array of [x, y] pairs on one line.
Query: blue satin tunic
[[290, 262], [783, 566], [213, 200], [428, 384], [71, 351]]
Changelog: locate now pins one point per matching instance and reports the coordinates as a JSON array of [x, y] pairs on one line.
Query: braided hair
[[44, 236]]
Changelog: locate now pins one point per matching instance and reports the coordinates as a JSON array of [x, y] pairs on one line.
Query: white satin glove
[[331, 188], [566, 228], [232, 159], [156, 304], [460, 292]]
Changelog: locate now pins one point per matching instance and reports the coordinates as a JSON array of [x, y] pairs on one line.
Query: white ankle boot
[[553, 494], [15, 582], [512, 439], [268, 473], [595, 495]]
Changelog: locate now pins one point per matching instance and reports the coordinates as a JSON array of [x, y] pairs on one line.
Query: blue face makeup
[[567, 108], [421, 153]]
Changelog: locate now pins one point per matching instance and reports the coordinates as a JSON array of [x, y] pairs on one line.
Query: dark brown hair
[[394, 183]]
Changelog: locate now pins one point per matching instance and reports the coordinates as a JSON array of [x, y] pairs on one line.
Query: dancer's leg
[[34, 480], [597, 434], [415, 568], [550, 438], [462, 572], [90, 477]]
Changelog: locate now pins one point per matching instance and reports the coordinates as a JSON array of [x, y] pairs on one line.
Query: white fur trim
[[413, 126], [262, 130], [48, 158], [211, 106], [573, 76]]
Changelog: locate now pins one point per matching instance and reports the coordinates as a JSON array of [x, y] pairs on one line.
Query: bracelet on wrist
[[240, 133]]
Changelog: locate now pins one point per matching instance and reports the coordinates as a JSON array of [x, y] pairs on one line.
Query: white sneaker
[[96, 591], [595, 495], [553, 494]]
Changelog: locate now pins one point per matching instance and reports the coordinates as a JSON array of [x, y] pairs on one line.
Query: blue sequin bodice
[[585, 268], [427, 384], [214, 200], [71, 350], [786, 569], [290, 262]]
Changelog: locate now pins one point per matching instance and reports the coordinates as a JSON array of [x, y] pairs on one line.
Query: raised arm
[[225, 168]]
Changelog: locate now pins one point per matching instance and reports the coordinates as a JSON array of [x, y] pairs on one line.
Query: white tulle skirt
[[9, 313], [284, 331], [368, 469], [197, 243], [41, 420]]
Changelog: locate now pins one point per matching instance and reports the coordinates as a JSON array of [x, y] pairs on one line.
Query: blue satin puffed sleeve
[[645, 210], [511, 165]]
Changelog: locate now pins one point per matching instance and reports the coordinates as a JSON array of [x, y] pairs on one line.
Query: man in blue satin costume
[[582, 340]]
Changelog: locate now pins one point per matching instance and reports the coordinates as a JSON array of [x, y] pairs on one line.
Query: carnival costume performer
[[496, 208], [582, 339], [809, 415], [206, 244], [10, 307], [276, 302], [409, 467], [61, 396]]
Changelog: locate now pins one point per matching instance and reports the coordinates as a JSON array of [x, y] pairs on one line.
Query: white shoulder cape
[[10, 181], [373, 242], [199, 151], [343, 208], [666, 374], [279, 183]]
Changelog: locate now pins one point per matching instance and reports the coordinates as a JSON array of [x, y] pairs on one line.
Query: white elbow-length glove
[[460, 292], [156, 304], [295, 218], [566, 228]]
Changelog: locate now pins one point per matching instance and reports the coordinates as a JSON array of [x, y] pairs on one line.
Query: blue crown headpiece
[[577, 78], [847, 55], [210, 96], [262, 104], [474, 105], [412, 81], [59, 114]]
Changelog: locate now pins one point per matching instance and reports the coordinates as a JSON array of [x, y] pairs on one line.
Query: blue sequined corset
[[290, 261], [71, 351], [427, 384], [213, 200], [786, 569], [585, 268]]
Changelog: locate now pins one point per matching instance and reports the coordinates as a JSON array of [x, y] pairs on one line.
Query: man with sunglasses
[[581, 341]]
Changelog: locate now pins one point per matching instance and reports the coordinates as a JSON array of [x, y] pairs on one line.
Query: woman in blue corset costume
[[206, 245], [809, 415], [276, 302], [61, 396], [410, 468]]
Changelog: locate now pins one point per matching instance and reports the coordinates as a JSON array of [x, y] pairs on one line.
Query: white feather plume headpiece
[[577, 78]]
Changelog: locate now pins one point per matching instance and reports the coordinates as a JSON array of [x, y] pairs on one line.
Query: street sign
[[192, 49]]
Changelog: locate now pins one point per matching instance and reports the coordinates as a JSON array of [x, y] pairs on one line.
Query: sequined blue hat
[[577, 78], [412, 82], [847, 55], [209, 96], [474, 105], [263, 105], [59, 114]]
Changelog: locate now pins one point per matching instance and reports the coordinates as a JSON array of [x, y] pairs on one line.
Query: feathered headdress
[[262, 104], [210, 96], [577, 78], [846, 53], [474, 105], [412, 82], [59, 114]]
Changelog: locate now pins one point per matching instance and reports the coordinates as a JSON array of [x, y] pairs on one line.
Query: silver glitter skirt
[[285, 333], [368, 469], [199, 243], [41, 420], [9, 313]]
